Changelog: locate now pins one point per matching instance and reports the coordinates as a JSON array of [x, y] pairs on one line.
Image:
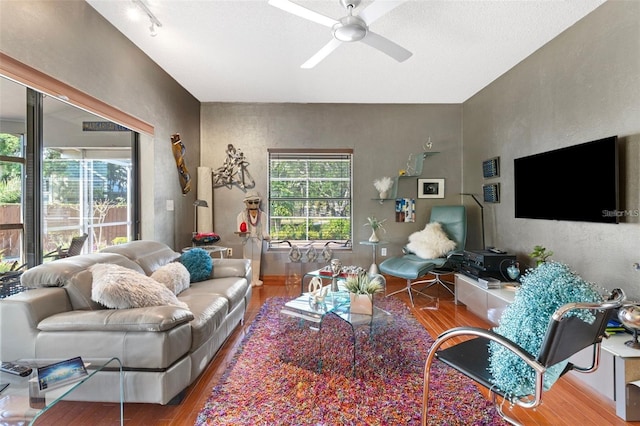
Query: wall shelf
[[413, 170]]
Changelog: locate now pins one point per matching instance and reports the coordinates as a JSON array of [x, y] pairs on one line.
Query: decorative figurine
[[254, 221], [336, 269], [178, 149], [294, 254]]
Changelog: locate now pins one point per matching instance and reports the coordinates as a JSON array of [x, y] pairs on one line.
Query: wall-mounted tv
[[576, 183]]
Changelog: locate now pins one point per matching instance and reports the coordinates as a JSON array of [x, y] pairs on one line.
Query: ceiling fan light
[[350, 28]]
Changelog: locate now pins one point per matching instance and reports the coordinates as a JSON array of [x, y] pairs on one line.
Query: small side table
[[373, 269], [209, 249]]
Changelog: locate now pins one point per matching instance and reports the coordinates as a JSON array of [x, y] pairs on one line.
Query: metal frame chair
[[74, 249], [411, 267], [566, 335]]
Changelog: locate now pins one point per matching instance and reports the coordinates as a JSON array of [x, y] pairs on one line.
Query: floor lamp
[[481, 213], [196, 204]]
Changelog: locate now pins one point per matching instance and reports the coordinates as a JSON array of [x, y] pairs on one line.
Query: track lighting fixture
[[155, 23]]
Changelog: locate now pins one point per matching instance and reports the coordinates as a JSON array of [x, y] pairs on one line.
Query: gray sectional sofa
[[163, 348]]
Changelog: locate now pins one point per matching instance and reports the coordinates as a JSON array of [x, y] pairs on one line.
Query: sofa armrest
[[19, 318], [224, 268], [154, 319]]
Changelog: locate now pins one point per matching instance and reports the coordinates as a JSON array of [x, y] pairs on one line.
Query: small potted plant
[[375, 224], [540, 255], [361, 289], [383, 185]]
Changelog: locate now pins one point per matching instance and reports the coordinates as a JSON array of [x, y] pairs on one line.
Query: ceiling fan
[[349, 28]]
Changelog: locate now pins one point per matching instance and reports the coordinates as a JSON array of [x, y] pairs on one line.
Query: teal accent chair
[[412, 267]]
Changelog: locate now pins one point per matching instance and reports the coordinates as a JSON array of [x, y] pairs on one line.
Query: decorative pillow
[[430, 243], [174, 275], [199, 264], [122, 288], [544, 289]]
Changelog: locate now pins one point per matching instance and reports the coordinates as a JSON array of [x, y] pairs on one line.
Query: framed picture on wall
[[430, 188]]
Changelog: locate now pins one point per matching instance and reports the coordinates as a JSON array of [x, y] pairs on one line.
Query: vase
[[374, 237], [361, 304], [384, 194], [513, 270]]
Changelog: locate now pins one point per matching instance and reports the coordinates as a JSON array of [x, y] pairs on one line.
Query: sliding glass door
[[86, 178], [64, 172]]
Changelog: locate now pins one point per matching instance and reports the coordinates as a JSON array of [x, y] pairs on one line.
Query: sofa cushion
[[73, 274], [150, 255], [209, 311], [234, 289], [122, 288], [174, 276], [153, 318], [199, 264]]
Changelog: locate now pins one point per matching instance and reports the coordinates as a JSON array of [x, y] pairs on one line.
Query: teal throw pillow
[[544, 289], [199, 264]]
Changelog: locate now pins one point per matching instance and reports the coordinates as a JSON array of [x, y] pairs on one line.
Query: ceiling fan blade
[[303, 12], [385, 45], [377, 9], [321, 54]]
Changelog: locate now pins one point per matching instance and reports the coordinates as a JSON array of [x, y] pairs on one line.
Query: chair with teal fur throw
[[436, 250], [555, 314]]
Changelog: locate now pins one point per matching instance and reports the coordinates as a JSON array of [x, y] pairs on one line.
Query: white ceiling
[[249, 51]]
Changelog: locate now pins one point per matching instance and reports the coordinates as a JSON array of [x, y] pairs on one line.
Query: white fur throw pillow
[[430, 243], [174, 275], [118, 287]]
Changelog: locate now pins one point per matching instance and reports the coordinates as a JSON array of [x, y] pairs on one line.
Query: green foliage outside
[[310, 200], [10, 173]]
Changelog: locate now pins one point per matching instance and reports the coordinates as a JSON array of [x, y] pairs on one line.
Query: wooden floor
[[567, 403]]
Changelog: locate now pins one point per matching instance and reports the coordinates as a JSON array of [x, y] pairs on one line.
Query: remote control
[[13, 368], [497, 250]]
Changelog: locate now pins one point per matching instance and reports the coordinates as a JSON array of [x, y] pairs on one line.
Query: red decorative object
[[203, 238], [243, 227]]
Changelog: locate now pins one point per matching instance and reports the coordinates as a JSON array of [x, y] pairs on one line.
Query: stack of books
[[615, 326], [489, 283]]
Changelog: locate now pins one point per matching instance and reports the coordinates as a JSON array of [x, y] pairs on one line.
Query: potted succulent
[[540, 255], [383, 185], [361, 289], [375, 224]]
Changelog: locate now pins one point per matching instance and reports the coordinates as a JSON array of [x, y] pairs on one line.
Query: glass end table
[[23, 403]]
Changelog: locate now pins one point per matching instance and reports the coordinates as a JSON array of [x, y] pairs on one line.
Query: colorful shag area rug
[[274, 379]]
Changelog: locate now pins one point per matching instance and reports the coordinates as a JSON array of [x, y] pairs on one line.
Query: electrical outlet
[[383, 251], [229, 252]]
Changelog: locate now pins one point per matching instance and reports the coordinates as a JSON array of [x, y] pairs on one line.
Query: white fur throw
[[118, 287], [430, 243], [174, 275]]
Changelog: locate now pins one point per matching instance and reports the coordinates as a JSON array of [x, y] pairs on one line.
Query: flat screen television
[[576, 183]]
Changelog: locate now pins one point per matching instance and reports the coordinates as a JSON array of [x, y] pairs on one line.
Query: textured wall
[[582, 86], [382, 137], [71, 42]]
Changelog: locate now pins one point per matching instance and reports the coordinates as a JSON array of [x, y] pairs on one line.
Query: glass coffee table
[[337, 304], [23, 403]]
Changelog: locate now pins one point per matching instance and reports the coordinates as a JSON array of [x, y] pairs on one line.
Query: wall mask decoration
[[178, 153], [233, 171]]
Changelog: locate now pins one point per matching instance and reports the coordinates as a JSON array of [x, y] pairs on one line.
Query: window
[[310, 195]]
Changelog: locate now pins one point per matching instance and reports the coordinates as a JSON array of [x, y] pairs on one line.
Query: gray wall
[[71, 42], [382, 137], [582, 86]]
